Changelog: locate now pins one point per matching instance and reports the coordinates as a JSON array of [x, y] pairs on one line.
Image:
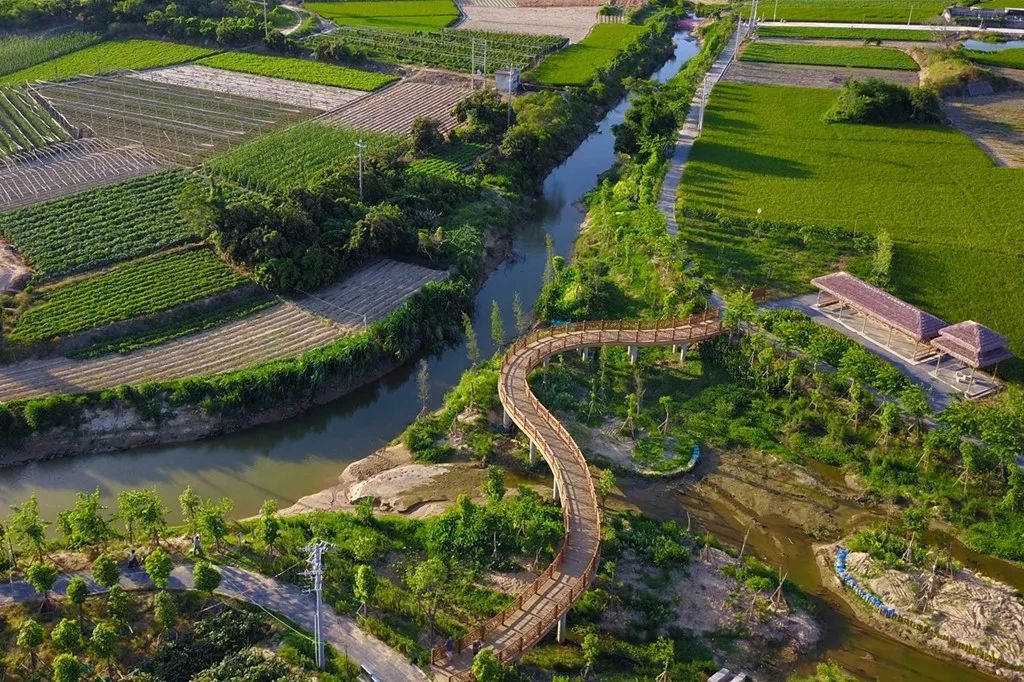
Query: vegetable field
[[108, 57], [864, 57], [578, 64], [859, 11], [812, 32], [1012, 58], [21, 52], [394, 110], [292, 157], [449, 162], [957, 252], [131, 290], [396, 15], [448, 49], [301, 70], [24, 125], [100, 226]]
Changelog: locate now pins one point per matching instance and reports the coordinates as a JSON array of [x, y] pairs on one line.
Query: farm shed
[[869, 305], [977, 347]]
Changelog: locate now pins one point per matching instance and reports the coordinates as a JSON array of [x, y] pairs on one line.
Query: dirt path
[[285, 330]]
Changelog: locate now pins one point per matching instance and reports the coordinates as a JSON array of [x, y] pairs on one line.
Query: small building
[[507, 80], [975, 346], [878, 315], [1000, 16]]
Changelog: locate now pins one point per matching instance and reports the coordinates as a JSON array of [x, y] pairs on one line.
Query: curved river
[[290, 459]]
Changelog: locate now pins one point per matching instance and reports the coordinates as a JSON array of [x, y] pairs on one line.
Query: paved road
[[686, 137], [941, 28], [539, 607], [285, 599]]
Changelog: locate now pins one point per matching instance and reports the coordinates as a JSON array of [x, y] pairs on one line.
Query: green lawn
[[396, 15], [302, 70], [866, 11], [954, 214], [1012, 58], [810, 32], [109, 56], [577, 64], [868, 57]]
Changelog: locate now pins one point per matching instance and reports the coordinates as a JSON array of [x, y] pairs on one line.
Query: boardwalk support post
[[682, 353], [586, 354], [560, 632], [554, 490], [633, 354], [506, 419], [533, 452]]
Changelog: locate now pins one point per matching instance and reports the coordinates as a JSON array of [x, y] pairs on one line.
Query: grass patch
[[108, 57], [860, 11], [578, 64], [131, 290], [100, 226], [293, 157], [867, 57], [1012, 58], [767, 148], [821, 33], [301, 70], [21, 52], [450, 161], [396, 15]]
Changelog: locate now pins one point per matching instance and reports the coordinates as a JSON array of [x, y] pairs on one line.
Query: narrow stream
[[290, 459]]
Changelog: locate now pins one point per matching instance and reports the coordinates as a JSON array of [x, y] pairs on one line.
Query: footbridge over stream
[[544, 605]]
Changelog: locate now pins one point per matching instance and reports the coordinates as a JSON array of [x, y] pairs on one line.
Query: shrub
[[426, 135], [876, 101]]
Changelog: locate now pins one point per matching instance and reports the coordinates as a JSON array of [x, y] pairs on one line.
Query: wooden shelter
[[897, 316], [973, 344]]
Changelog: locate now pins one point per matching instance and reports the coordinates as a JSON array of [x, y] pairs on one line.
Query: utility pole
[[362, 146], [911, 17], [508, 122], [316, 573], [775, 14], [703, 104], [266, 30]]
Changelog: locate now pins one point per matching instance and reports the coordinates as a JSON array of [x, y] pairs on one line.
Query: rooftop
[[881, 305]]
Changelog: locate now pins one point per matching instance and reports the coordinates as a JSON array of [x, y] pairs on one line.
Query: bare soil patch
[[14, 274], [393, 109], [572, 22], [995, 123], [830, 77]]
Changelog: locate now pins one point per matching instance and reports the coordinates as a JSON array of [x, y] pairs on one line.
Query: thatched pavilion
[[976, 346]]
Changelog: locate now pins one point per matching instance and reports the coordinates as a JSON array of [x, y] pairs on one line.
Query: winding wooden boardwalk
[[542, 605]]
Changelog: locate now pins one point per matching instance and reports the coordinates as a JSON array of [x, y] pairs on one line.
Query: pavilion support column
[[970, 384], [633, 350], [560, 631], [864, 325], [554, 491], [533, 452], [938, 361]]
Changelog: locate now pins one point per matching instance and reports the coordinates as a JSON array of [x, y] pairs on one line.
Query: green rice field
[[20, 52], [860, 11], [301, 70], [395, 15], [1012, 58], [828, 55], [577, 64], [954, 214], [108, 57], [812, 32]]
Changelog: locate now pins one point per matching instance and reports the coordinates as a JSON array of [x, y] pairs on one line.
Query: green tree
[[428, 580], [67, 635], [889, 422], [28, 527], [66, 668], [269, 526], [77, 592], [740, 309], [165, 610], [119, 605], [666, 404], [42, 577], [472, 347], [104, 644], [206, 577], [487, 668], [365, 585], [881, 261], [549, 261], [664, 652], [522, 321], [485, 114], [426, 135], [159, 565], [494, 485], [190, 506], [82, 525], [30, 638], [591, 649], [497, 327], [1014, 498], [105, 572], [142, 510], [605, 485], [423, 386], [213, 520]]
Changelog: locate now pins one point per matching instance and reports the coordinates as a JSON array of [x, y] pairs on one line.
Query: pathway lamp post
[[362, 147]]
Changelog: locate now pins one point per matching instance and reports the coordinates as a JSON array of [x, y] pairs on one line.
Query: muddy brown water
[[290, 459]]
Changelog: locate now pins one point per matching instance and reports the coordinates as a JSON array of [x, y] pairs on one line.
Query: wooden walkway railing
[[539, 607]]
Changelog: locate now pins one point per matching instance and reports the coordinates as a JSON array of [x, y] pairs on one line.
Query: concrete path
[[940, 28], [544, 604], [285, 599], [687, 136]]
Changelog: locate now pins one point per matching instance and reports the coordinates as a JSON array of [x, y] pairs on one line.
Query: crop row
[[865, 57], [24, 125], [293, 157], [301, 70], [19, 52], [100, 226], [131, 290], [451, 49], [108, 57]]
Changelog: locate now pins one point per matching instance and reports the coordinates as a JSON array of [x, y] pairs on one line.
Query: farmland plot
[[578, 64], [398, 15], [285, 330], [317, 97], [393, 110], [299, 70], [573, 23], [828, 55], [21, 52], [182, 124], [24, 124], [995, 123], [807, 76], [68, 167]]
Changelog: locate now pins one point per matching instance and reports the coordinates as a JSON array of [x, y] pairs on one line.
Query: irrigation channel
[[305, 454]]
